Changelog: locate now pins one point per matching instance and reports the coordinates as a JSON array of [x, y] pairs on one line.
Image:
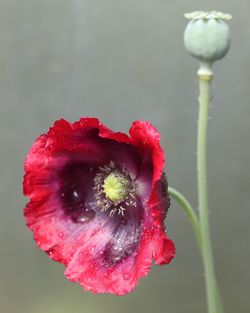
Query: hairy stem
[[213, 301], [183, 202]]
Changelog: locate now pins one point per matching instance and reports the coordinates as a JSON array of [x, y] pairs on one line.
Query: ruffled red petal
[[78, 247], [148, 139]]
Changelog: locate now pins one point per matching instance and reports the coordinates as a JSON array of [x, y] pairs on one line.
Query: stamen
[[114, 190]]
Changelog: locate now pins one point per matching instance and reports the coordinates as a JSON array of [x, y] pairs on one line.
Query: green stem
[[210, 279], [183, 202], [201, 224], [188, 209]]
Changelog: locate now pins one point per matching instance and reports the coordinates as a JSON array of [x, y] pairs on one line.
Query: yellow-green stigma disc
[[116, 187]]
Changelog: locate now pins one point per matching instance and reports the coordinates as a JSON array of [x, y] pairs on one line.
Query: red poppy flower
[[98, 200]]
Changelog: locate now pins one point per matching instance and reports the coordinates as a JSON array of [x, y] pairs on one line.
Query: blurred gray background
[[122, 60]]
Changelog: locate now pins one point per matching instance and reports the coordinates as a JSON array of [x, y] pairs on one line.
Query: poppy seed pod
[[207, 36]]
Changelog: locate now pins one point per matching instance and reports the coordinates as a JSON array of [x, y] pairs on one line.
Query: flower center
[[116, 187]]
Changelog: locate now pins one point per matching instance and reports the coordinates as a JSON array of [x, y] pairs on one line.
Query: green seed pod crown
[[207, 36]]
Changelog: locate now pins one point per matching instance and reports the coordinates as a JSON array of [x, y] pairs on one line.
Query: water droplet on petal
[[85, 216], [81, 257], [50, 252], [124, 221], [60, 234], [126, 276], [75, 194], [105, 274]]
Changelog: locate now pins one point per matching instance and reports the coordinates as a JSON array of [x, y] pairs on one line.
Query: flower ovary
[[116, 187]]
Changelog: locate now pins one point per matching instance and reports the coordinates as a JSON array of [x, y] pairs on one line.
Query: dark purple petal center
[[83, 206], [76, 181]]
